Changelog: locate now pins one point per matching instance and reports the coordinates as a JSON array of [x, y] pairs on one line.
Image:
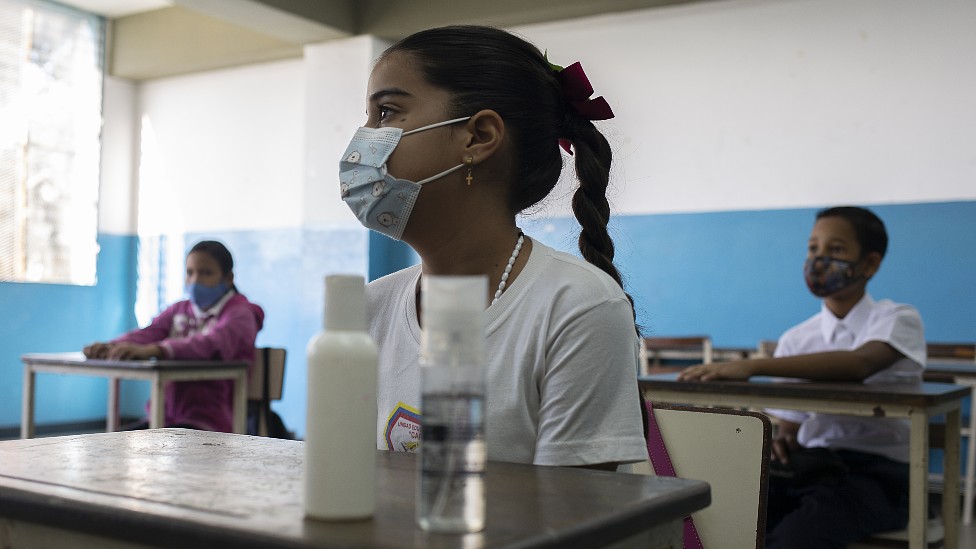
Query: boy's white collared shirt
[[896, 324]]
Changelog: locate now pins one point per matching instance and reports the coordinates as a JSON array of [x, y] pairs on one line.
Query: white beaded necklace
[[505, 275], [508, 268]]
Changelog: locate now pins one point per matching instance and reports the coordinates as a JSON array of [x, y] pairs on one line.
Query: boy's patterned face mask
[[380, 201], [828, 275]]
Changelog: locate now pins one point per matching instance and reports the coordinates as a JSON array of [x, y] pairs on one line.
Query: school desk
[[962, 372], [185, 488], [917, 402], [157, 372]]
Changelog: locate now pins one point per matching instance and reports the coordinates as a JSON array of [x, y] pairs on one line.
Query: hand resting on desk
[[854, 365], [122, 351]]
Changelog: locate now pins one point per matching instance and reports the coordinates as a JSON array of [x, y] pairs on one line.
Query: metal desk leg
[[918, 481], [27, 404], [967, 512], [157, 407], [950, 491], [112, 423], [240, 402]]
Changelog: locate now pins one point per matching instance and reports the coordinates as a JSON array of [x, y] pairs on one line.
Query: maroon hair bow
[[577, 91]]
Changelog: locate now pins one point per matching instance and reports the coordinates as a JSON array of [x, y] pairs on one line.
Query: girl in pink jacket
[[215, 323]]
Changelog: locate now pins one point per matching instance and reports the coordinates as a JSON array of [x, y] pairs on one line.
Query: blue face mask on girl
[[205, 296], [380, 201]]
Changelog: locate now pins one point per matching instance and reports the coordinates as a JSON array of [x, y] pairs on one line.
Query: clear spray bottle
[[450, 491]]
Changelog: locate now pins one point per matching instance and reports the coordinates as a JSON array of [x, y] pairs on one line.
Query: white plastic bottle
[[450, 489], [340, 441]]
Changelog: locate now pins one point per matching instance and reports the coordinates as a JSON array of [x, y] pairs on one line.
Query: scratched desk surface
[[79, 361], [908, 394], [174, 487]]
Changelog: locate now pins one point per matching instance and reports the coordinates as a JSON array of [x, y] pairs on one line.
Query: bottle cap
[[455, 293], [345, 303], [454, 319]]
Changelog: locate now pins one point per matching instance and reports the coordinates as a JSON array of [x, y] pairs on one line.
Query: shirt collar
[[216, 308], [856, 318]]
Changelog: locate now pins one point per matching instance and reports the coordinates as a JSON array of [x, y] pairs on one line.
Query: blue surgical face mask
[[204, 296], [381, 202]]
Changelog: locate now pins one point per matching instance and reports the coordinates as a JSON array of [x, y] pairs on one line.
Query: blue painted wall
[[733, 275], [388, 256], [284, 272], [737, 276], [57, 318]]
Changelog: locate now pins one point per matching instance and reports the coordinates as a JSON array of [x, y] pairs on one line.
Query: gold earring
[[469, 160]]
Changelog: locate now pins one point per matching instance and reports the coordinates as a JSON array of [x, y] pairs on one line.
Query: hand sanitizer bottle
[[450, 490], [340, 440]]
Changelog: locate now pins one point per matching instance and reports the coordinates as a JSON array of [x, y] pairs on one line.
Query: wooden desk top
[[908, 394], [175, 487], [953, 367], [78, 360]]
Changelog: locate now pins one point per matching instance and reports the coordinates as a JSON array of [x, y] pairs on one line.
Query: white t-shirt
[[893, 323], [561, 370]]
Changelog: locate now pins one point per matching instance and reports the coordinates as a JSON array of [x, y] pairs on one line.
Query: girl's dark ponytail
[[590, 204]]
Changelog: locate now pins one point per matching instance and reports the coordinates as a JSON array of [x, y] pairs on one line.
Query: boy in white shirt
[[852, 338]]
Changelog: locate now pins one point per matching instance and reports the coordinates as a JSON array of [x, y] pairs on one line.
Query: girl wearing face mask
[[464, 130], [852, 338], [214, 322]]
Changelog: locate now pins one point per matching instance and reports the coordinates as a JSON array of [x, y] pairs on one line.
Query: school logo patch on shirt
[[186, 325], [403, 429]]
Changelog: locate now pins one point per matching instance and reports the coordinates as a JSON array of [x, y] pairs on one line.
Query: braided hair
[[488, 68]]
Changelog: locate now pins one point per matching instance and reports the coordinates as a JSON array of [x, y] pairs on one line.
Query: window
[[50, 122]]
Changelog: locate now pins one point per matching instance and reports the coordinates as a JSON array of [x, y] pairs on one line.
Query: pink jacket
[[225, 332]]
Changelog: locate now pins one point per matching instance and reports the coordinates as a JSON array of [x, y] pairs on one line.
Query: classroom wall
[[738, 275], [242, 178], [736, 120], [754, 105], [59, 317], [740, 119]]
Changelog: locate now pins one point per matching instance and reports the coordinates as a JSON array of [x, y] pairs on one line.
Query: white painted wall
[[733, 105], [335, 106], [117, 197], [262, 141], [756, 104], [223, 150]]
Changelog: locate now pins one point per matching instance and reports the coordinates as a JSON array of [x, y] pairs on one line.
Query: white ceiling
[[117, 8], [159, 38]]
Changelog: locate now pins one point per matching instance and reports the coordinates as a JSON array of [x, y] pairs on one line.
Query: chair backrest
[[268, 371], [729, 449], [962, 351], [685, 348], [766, 348]]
